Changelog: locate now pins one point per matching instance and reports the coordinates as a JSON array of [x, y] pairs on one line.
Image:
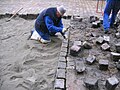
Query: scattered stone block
[[87, 45], [67, 17], [61, 65], [74, 50], [111, 83], [78, 18], [77, 43], [59, 84], [90, 59], [79, 66], [91, 83], [106, 39], [99, 40], [115, 56], [101, 20], [96, 24], [93, 34], [61, 74], [117, 47], [105, 47], [93, 19], [118, 65], [103, 64], [117, 35]]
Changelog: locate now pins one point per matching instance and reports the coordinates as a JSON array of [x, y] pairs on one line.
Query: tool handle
[[14, 14]]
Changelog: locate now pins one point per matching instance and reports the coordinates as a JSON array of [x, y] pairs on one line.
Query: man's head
[[60, 11]]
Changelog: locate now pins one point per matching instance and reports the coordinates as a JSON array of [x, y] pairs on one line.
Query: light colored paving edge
[[60, 79]]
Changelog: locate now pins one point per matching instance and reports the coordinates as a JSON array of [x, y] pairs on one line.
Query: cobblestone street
[[74, 7]]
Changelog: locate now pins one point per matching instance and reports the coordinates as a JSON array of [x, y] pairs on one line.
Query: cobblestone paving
[[74, 7]]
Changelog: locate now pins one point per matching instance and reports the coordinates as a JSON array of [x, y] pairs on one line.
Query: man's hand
[[64, 30]]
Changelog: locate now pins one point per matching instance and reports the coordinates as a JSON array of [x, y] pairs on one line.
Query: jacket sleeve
[[60, 24], [50, 25]]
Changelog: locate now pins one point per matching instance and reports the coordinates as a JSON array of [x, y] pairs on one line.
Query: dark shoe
[[113, 27], [106, 31]]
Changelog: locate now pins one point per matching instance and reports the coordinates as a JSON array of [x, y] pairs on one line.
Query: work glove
[[64, 30]]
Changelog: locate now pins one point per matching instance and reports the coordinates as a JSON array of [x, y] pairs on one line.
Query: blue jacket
[[47, 22], [112, 6]]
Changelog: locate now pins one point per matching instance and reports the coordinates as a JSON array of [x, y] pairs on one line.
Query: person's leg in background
[[114, 13], [107, 11]]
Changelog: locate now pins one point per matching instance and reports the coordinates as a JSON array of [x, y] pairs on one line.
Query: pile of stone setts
[[102, 42]]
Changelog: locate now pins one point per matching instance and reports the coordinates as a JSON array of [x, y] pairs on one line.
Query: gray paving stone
[[91, 83], [59, 84], [62, 59], [90, 59], [111, 83], [79, 66], [118, 65], [105, 47], [103, 64], [61, 74], [117, 35], [78, 43], [94, 34], [96, 24], [87, 45], [106, 39], [117, 47], [61, 65], [64, 49], [99, 40], [93, 19], [115, 56], [64, 44], [63, 54], [74, 50]]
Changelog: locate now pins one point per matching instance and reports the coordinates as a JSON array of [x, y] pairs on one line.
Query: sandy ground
[[26, 64]]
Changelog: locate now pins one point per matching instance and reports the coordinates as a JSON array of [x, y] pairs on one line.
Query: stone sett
[[117, 47], [91, 83], [90, 59], [62, 59], [61, 74], [111, 83], [79, 66], [103, 64], [64, 49], [74, 50], [59, 84], [106, 39], [115, 56], [99, 40], [62, 65], [105, 47], [63, 54]]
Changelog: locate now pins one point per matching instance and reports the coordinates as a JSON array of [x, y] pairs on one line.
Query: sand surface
[[26, 64]]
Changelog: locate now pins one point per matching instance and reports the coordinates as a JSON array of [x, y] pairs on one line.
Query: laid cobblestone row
[[60, 79]]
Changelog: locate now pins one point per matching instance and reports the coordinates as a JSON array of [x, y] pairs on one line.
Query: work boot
[[35, 35], [44, 41]]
